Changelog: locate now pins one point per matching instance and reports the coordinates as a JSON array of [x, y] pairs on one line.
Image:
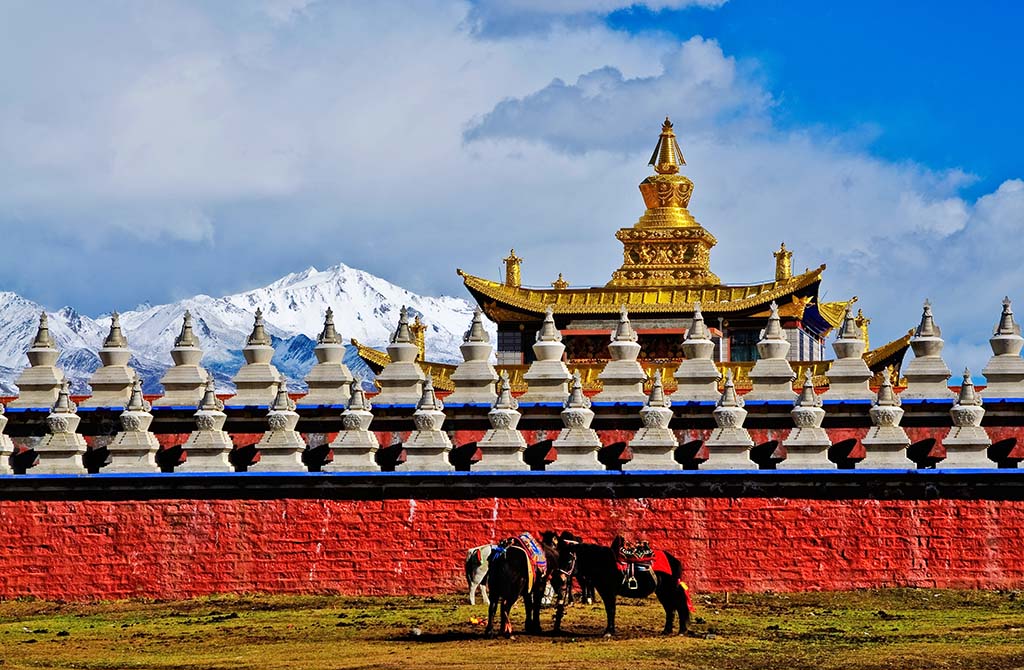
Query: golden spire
[[667, 156], [419, 336], [783, 263], [863, 322], [667, 247], [512, 272], [560, 284]]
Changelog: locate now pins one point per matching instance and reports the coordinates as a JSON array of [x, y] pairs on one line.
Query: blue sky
[[936, 82], [150, 152]]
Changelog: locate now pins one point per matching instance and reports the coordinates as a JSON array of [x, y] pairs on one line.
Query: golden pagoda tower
[[666, 247]]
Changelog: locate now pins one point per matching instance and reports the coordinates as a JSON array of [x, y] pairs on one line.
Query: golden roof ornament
[[783, 263], [186, 338], [419, 336], [560, 284], [258, 336], [667, 246], [328, 335], [667, 156], [43, 338], [115, 338], [513, 275], [863, 322]]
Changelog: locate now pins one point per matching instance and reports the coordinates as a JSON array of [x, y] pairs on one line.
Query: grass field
[[900, 629]]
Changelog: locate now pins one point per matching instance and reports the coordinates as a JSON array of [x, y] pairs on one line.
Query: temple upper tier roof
[[496, 298]]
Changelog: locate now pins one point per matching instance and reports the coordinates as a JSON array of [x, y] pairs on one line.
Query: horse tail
[[677, 576]]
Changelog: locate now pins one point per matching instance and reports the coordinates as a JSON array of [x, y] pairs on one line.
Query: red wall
[[182, 548]]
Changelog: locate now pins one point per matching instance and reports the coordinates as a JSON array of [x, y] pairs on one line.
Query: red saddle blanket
[[644, 561], [535, 554]]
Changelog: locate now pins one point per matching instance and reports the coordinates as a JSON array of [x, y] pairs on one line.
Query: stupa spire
[[477, 332], [403, 335], [624, 332], [186, 338], [258, 336], [967, 395], [1007, 324], [115, 338], [667, 156], [210, 401], [548, 332], [505, 399], [927, 327], [43, 338], [849, 330], [328, 335], [698, 329]]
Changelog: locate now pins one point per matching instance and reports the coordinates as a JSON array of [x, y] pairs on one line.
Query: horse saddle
[[535, 556], [636, 563]]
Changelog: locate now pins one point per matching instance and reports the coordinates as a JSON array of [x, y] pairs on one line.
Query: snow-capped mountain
[[365, 307]]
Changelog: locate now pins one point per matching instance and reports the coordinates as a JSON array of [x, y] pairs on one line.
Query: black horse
[[601, 566], [510, 577]]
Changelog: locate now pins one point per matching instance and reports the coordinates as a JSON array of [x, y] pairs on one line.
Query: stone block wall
[[299, 535]]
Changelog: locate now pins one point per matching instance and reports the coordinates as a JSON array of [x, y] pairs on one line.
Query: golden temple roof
[[597, 300]]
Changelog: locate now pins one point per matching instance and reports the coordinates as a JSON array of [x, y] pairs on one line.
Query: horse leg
[[491, 609], [532, 602], [483, 591], [684, 611], [609, 610], [506, 621]]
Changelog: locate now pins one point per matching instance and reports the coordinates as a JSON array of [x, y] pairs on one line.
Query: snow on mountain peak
[[365, 308]]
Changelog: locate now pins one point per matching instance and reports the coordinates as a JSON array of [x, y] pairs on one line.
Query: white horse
[[477, 564]]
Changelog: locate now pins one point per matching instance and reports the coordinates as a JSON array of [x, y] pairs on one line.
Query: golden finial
[[560, 284], [863, 322], [783, 263], [667, 156], [419, 336], [512, 272]]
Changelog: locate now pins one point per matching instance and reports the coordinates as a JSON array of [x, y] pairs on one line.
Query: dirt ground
[[904, 629]]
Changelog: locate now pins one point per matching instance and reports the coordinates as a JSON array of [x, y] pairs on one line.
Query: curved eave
[[606, 300], [378, 360], [889, 354]]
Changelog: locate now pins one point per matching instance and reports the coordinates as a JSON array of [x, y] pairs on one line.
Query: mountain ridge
[[365, 307]]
